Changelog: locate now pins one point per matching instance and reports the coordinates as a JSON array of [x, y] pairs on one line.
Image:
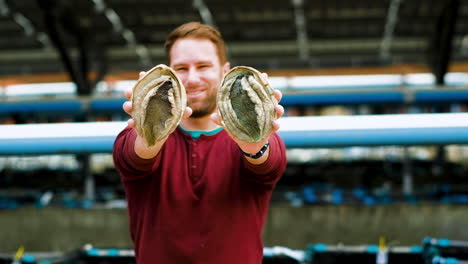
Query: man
[[194, 197]]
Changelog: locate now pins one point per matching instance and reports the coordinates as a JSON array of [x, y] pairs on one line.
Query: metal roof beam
[[26, 24], [204, 12], [301, 28], [442, 40], [392, 20], [141, 50]]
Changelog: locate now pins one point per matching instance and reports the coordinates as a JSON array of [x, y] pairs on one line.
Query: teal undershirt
[[195, 134]]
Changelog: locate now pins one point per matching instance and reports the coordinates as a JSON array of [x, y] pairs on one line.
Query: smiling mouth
[[194, 93]]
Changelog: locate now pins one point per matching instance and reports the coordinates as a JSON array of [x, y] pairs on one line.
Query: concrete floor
[[57, 229]]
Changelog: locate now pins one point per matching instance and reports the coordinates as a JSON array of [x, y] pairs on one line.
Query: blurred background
[[401, 201]]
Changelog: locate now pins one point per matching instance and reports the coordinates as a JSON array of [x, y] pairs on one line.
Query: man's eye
[[180, 69]]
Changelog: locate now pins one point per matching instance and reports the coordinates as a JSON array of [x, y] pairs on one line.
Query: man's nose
[[193, 78]]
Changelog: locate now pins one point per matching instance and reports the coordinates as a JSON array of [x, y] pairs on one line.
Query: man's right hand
[[127, 105], [141, 147]]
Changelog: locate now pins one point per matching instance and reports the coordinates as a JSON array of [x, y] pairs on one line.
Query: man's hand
[[127, 105], [141, 146], [254, 147]]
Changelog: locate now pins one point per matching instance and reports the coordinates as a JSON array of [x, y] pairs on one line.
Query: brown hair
[[198, 31]]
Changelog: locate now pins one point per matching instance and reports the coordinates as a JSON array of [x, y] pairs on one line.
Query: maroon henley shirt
[[198, 201]]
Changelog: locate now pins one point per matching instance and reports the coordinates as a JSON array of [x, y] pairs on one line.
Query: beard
[[207, 106]]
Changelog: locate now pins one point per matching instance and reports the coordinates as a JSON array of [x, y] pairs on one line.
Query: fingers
[[127, 107], [279, 111], [275, 127], [216, 118], [187, 113], [278, 95], [131, 123], [128, 93]]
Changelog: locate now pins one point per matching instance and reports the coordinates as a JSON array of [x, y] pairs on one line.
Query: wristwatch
[[259, 153]]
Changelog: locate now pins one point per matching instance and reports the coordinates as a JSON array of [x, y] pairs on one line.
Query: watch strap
[[259, 153]]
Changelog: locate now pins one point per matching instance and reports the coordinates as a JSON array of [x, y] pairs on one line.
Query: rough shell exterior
[[159, 101], [246, 104]]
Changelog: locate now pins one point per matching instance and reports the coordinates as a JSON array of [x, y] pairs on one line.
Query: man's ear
[[226, 67]]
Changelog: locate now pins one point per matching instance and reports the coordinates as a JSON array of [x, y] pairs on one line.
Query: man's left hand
[[254, 147]]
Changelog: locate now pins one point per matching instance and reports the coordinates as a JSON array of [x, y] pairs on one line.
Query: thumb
[[187, 112], [216, 118]]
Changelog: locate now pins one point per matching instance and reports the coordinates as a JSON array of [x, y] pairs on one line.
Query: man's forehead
[[193, 51]]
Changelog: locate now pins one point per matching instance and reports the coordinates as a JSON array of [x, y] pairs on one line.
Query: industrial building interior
[[390, 194]]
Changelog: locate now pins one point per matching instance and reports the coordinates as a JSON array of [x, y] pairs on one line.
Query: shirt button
[[194, 155], [194, 166]]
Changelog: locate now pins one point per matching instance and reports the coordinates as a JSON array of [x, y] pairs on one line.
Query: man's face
[[197, 64]]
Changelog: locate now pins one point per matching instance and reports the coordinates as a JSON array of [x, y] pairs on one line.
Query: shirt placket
[[194, 162]]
